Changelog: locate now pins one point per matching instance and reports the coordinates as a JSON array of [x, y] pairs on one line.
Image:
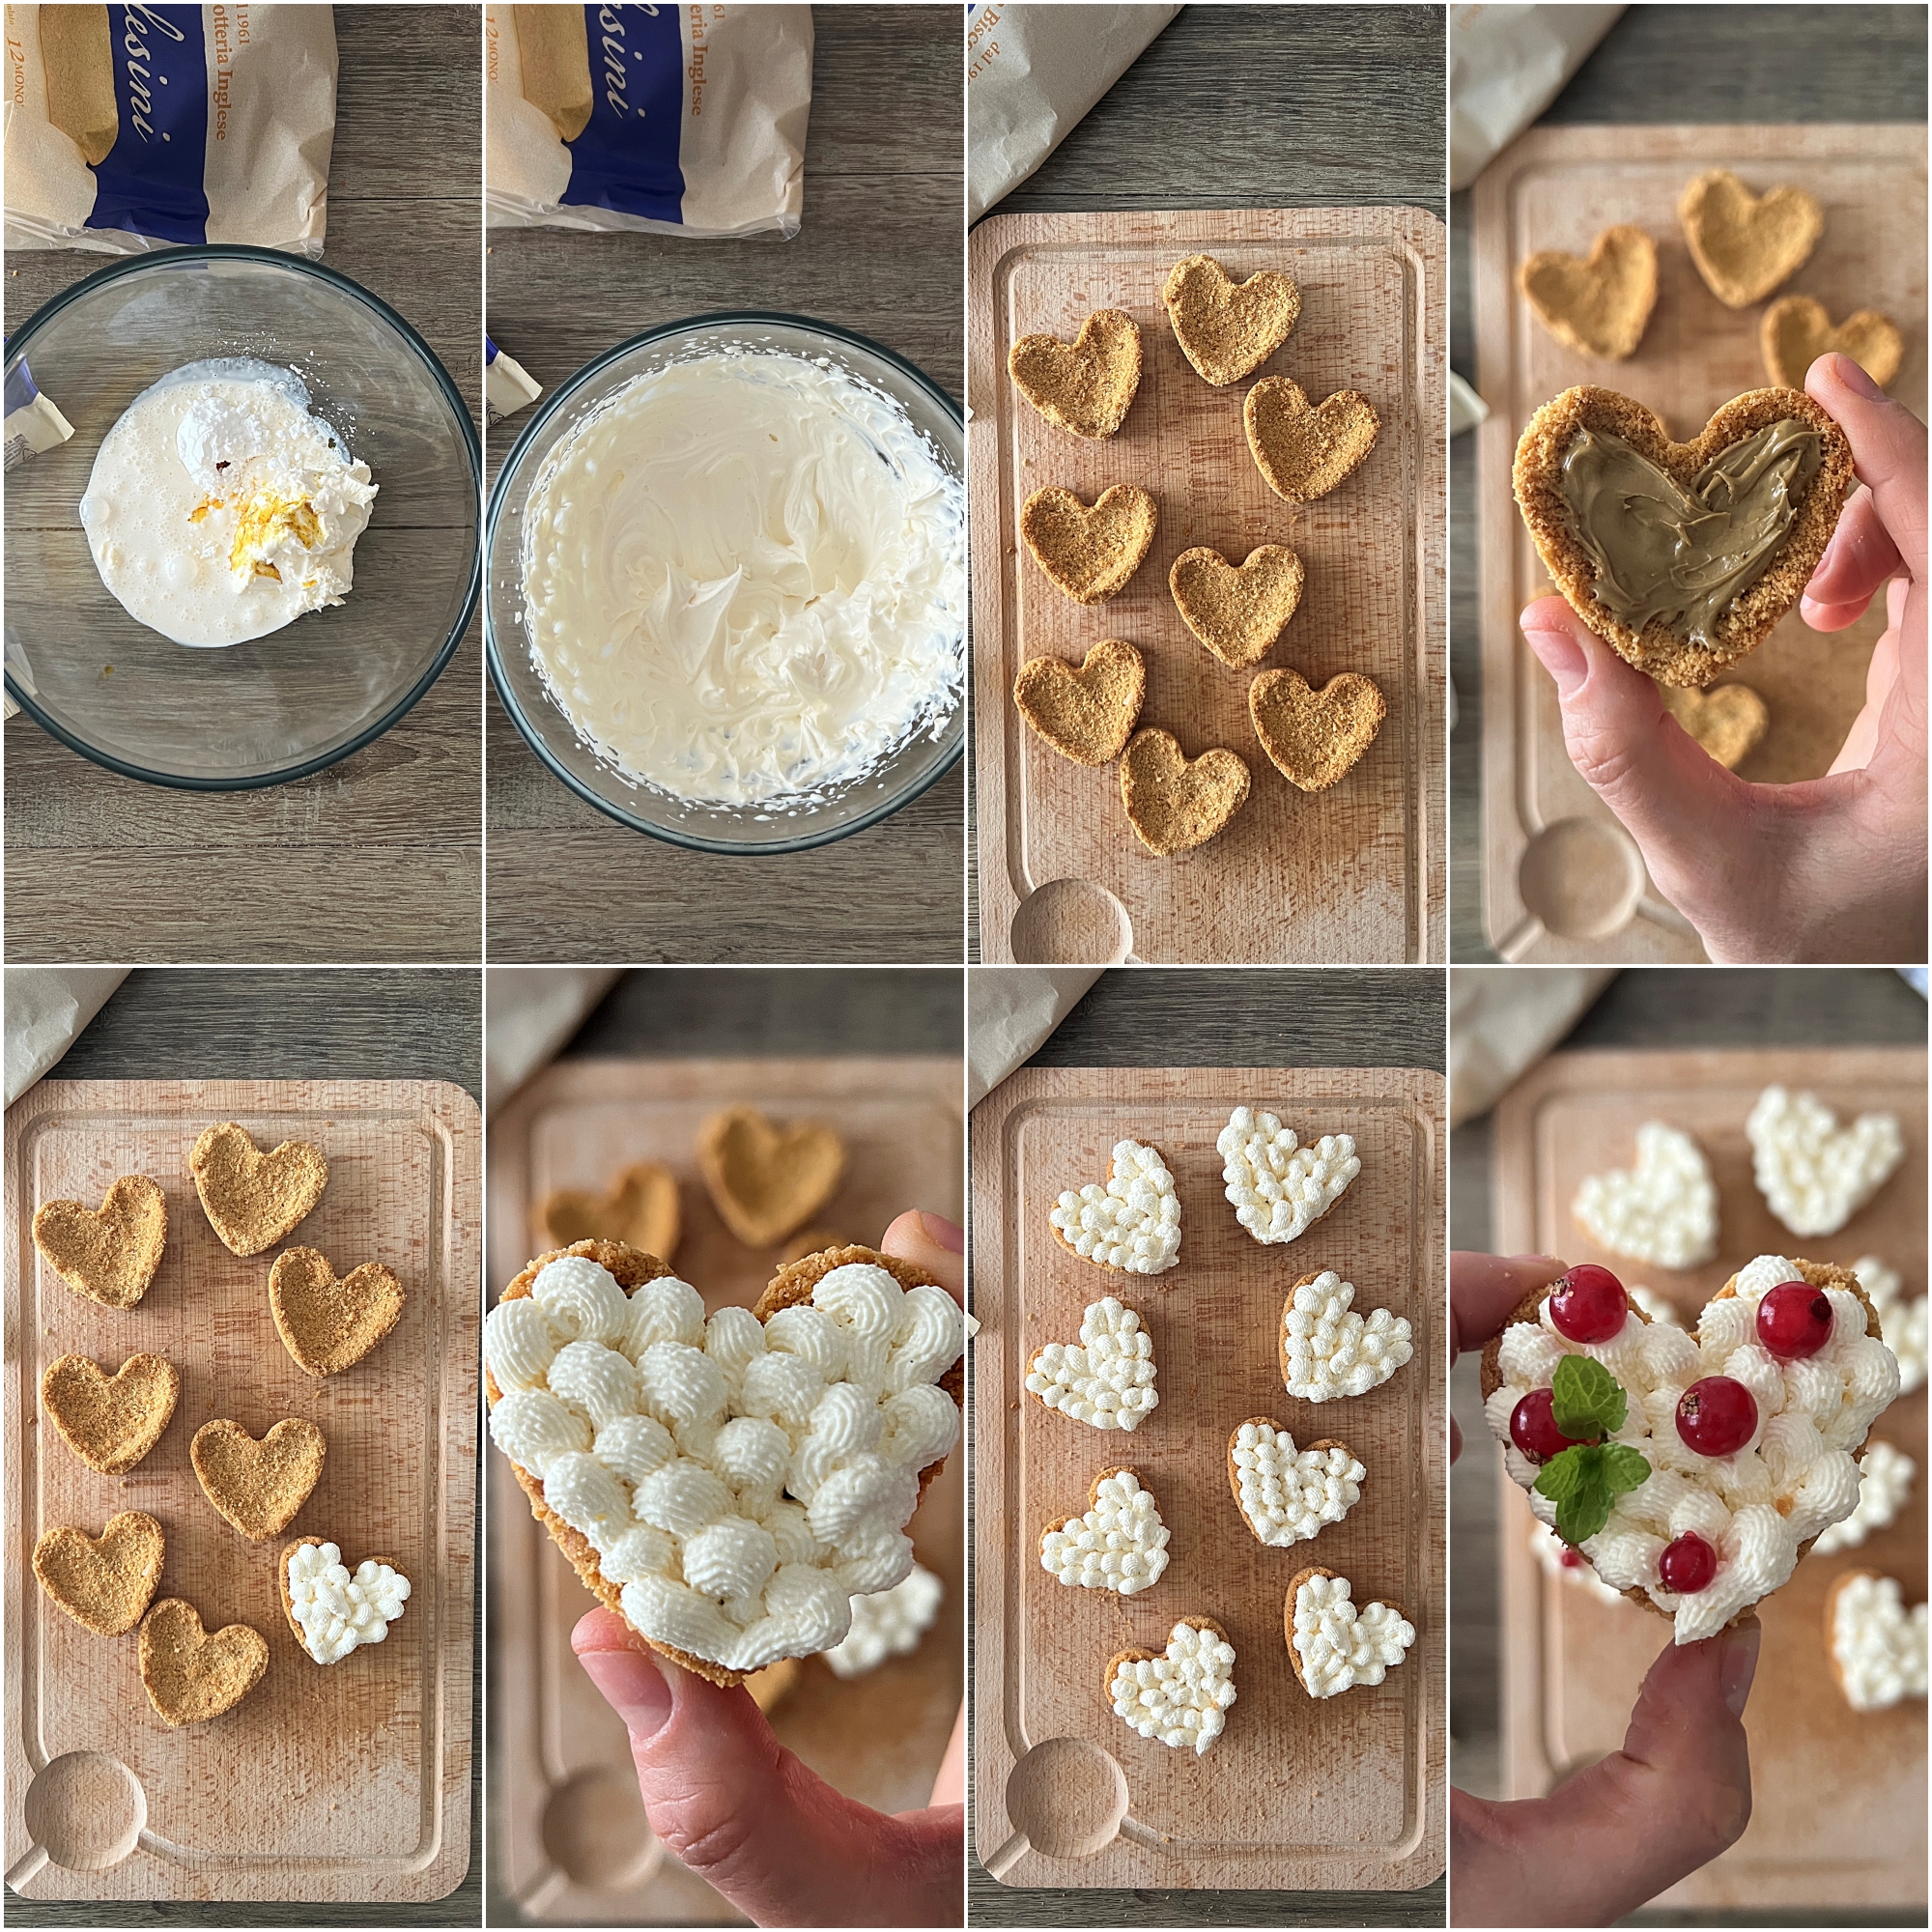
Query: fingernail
[[940, 1232], [1739, 1666], [1854, 378], [1562, 656], [633, 1685]]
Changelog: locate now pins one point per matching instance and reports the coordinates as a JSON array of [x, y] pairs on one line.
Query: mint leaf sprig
[[1585, 1481], [1587, 1403]]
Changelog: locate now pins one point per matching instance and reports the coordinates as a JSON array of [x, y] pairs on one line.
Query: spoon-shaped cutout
[[85, 1811], [1066, 1799]]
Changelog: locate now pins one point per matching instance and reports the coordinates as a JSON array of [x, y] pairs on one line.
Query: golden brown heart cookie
[[1228, 330], [641, 1208], [1304, 449], [1237, 610], [766, 1180], [104, 1583], [258, 1487], [1087, 552], [253, 1199], [327, 1323], [110, 1422], [1685, 480], [1744, 245], [1084, 711], [1314, 736], [1085, 385], [1728, 721], [110, 1253], [192, 1674], [1174, 805], [1797, 330], [1601, 303]]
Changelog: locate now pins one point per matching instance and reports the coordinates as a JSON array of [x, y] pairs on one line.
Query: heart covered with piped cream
[[253, 1199], [726, 1485], [1815, 1174], [1664, 1210], [1178, 1697], [108, 1253], [1130, 1222], [1329, 1349], [1106, 1380], [1333, 1647], [1279, 1188], [1119, 1543], [1285, 1495], [332, 1609], [1877, 1646]]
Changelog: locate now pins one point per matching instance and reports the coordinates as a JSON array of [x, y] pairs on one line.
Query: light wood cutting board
[[1350, 874], [1838, 1799], [1295, 1794], [575, 1848], [1563, 881], [350, 1782]]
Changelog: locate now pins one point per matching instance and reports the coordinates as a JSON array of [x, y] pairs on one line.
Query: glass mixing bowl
[[283, 706], [779, 827]]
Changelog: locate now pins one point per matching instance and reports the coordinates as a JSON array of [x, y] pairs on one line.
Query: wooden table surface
[[177, 1024], [1657, 65], [1675, 1007], [1260, 1016], [879, 252], [380, 857]]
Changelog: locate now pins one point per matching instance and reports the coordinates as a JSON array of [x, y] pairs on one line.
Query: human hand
[[728, 1800], [1832, 869], [1610, 1839]]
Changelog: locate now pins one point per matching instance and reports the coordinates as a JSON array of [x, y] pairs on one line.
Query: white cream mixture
[[743, 579], [219, 509]]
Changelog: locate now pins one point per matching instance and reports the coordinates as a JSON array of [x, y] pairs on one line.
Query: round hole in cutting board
[[1073, 922], [1069, 1797], [1582, 877], [595, 1831], [87, 1810]]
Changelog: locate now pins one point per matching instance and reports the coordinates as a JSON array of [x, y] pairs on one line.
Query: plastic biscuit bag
[[132, 127], [673, 120]]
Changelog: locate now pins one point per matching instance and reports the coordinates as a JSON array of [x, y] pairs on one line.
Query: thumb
[[728, 1800]]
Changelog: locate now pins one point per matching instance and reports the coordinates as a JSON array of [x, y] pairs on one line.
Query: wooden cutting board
[[575, 1848], [1562, 879], [350, 1782], [1350, 874], [1295, 1794], [1838, 1799]]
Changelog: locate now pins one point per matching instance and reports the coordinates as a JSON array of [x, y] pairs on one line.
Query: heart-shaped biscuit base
[[1601, 303], [1303, 450], [1089, 553], [345, 1614], [1087, 385], [1237, 610], [103, 1581], [764, 1179], [1314, 736], [253, 1199], [326, 1323], [1797, 330], [1743, 245], [1173, 805], [1228, 330], [192, 1674], [110, 1422], [108, 1254], [1119, 1544], [1084, 711], [641, 1209], [258, 1487], [1728, 721], [1659, 647]]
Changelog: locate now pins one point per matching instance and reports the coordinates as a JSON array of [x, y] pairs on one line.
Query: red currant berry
[[1588, 1304], [1794, 1321], [1717, 1416], [1687, 1565], [1571, 1559], [1533, 1427]]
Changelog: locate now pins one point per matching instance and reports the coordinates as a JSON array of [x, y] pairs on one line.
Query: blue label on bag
[[627, 157], [150, 182]]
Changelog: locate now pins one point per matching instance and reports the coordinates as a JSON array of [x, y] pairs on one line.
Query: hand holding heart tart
[[1692, 1472], [1682, 556], [727, 1484]]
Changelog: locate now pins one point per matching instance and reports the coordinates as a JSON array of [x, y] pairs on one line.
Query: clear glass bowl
[[284, 705], [520, 683]]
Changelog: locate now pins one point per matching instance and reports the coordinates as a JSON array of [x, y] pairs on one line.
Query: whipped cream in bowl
[[726, 572]]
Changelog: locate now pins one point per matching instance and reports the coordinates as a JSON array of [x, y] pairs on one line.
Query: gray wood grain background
[[189, 1024], [879, 252], [379, 857], [1657, 64], [1664, 1006], [1260, 107], [1259, 1016]]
